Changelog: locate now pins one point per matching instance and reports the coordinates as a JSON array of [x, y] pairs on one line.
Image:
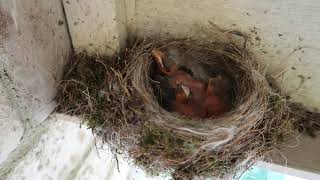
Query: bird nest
[[118, 100]]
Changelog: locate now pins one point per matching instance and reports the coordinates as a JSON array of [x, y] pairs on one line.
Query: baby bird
[[191, 97], [215, 101], [179, 78]]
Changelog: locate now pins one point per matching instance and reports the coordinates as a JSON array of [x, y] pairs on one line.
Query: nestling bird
[[214, 102], [187, 95]]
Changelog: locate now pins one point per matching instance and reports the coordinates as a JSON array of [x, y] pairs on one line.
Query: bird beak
[[158, 56], [186, 90]]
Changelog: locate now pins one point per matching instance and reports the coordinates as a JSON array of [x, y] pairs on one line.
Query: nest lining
[[118, 101]]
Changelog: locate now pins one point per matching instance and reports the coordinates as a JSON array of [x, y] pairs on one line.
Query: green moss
[[167, 143]]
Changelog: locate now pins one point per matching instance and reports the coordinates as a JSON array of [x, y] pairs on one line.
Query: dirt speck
[[306, 121], [254, 31], [300, 76], [279, 34], [258, 38], [302, 80], [255, 28], [60, 22], [300, 38], [35, 17], [7, 76], [293, 68], [5, 21]]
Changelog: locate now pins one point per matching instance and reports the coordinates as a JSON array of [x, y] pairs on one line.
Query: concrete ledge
[[60, 149], [101, 164], [10, 125], [59, 152]]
